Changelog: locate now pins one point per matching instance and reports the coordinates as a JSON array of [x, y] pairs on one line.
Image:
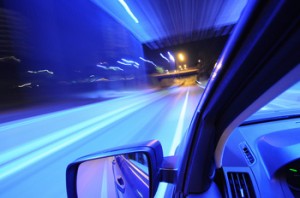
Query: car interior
[[261, 158], [252, 158], [243, 140], [256, 152]]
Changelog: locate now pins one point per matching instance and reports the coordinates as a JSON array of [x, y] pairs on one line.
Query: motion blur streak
[[164, 57], [22, 156], [43, 146], [129, 11], [148, 61]]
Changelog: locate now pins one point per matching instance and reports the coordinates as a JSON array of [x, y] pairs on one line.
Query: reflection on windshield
[[286, 104]]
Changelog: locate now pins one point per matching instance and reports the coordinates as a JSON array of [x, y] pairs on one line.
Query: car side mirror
[[131, 171]]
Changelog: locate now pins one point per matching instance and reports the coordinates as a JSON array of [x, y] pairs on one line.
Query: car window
[[286, 104], [77, 77]]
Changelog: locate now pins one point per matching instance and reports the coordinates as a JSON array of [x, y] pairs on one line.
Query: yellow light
[[181, 57]]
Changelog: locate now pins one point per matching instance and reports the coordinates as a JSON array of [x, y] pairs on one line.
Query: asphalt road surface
[[35, 151]]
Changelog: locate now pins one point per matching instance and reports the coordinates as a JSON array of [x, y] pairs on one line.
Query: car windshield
[[78, 77], [286, 104]]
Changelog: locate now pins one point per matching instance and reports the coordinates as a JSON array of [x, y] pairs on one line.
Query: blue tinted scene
[[77, 77]]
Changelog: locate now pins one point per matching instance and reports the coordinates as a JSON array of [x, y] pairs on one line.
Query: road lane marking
[[104, 189], [179, 128]]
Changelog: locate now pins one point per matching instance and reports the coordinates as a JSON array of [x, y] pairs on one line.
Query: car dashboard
[[262, 160]]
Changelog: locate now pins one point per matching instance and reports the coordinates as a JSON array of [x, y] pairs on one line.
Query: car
[[124, 174], [234, 147]]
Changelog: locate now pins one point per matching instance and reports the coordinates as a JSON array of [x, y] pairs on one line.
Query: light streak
[[216, 70], [136, 66], [123, 63], [114, 68], [41, 71], [10, 58], [25, 85], [148, 61], [129, 61], [124, 4], [171, 57], [164, 57], [140, 194], [25, 155]]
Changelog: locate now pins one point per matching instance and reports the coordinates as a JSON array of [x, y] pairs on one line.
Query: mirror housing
[[152, 149]]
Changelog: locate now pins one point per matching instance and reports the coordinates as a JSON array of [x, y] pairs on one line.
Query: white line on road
[[176, 140], [104, 190], [179, 128]]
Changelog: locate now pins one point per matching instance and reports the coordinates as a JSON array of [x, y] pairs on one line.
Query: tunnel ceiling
[[163, 23]]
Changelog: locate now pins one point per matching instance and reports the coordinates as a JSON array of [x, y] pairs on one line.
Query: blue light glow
[[123, 3], [168, 19], [36, 153]]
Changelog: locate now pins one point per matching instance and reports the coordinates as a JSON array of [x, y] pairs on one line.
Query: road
[[35, 151], [96, 183]]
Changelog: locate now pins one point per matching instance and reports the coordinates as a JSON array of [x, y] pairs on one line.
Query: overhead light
[[126, 7], [181, 57]]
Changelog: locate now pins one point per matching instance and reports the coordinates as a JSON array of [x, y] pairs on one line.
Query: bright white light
[[217, 67], [148, 61], [181, 57], [129, 61], [171, 57], [164, 57], [114, 68], [41, 71], [25, 85], [120, 62], [124, 4]]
